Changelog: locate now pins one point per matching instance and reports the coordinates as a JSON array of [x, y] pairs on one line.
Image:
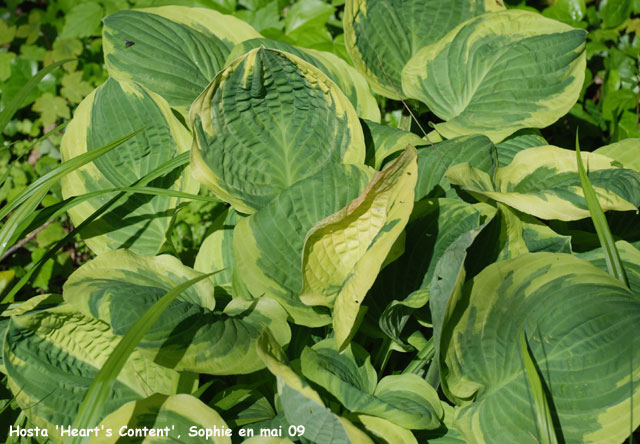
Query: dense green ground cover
[[311, 200]]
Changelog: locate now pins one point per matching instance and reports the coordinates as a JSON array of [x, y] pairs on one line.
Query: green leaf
[[74, 89], [137, 48], [405, 400], [544, 182], [267, 121], [570, 12], [31, 29], [89, 413], [269, 244], [387, 431], [117, 108], [499, 72], [382, 35], [83, 20], [31, 197], [52, 355], [7, 33], [172, 416], [612, 257], [383, 141], [51, 108], [538, 396], [344, 252], [580, 342], [216, 252], [350, 81], [5, 65], [518, 141], [18, 99], [302, 405], [119, 287], [434, 160], [626, 151], [435, 227], [614, 12], [629, 256]]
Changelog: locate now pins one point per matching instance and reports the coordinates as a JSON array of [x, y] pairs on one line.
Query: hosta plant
[[367, 284]]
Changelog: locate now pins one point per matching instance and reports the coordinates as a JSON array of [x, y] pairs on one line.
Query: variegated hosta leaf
[[434, 160], [267, 121], [382, 35], [52, 356], [518, 141], [627, 152], [174, 51], [389, 432], [406, 400], [630, 257], [118, 287], [302, 405], [500, 72], [348, 79], [383, 141], [216, 252], [177, 414], [344, 252], [268, 245], [114, 110], [544, 182], [578, 320], [434, 227]]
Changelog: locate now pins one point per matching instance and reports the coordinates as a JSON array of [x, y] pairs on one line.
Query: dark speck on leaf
[[128, 43]]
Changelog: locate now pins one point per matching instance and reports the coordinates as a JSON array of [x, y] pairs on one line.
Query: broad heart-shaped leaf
[[579, 321], [216, 252], [389, 432], [348, 79], [406, 400], [269, 245], [344, 252], [301, 403], [544, 182], [382, 35], [52, 356], [630, 257], [434, 227], [627, 152], [171, 418], [174, 51], [382, 141], [433, 162], [518, 141], [119, 286], [114, 110], [499, 72], [268, 121]]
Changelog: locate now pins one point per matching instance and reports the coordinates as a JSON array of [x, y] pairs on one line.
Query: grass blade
[[163, 169], [54, 175], [90, 412], [18, 99], [544, 422], [611, 255], [29, 199]]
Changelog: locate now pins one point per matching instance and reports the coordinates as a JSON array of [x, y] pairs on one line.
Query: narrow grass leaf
[[167, 167], [611, 255], [54, 175], [547, 434], [18, 99], [91, 408]]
